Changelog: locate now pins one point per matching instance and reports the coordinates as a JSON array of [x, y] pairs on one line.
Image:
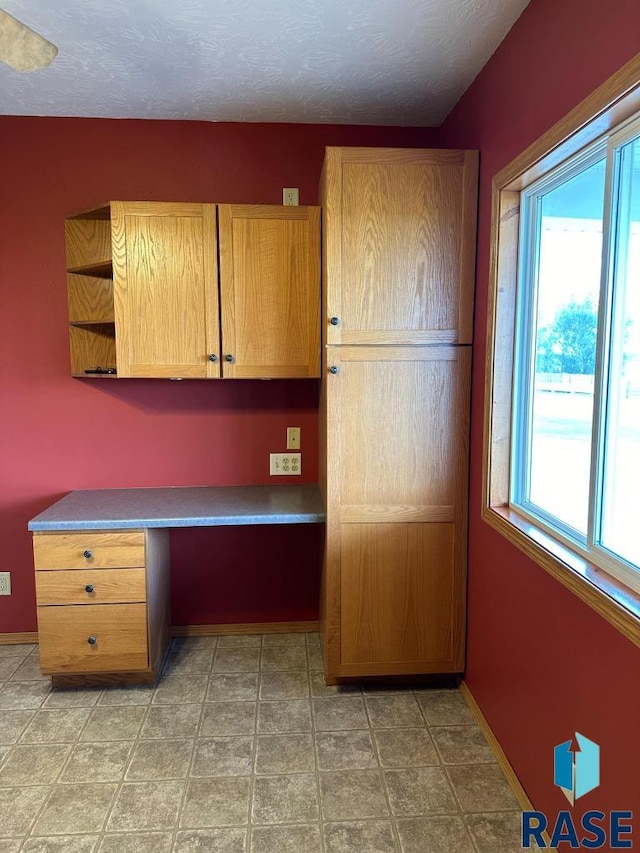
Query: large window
[[576, 430], [561, 462]]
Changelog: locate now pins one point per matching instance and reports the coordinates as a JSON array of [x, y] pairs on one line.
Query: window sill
[[616, 603]]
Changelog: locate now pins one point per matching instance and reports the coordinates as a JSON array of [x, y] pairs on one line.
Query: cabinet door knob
[[333, 369], [88, 554], [334, 321], [228, 357], [92, 640], [88, 587], [213, 357]]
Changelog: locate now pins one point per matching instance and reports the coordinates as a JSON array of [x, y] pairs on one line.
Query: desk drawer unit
[[102, 604]]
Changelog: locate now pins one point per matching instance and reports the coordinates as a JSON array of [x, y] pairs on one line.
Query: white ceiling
[[394, 62]]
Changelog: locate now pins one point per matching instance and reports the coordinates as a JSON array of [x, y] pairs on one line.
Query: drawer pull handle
[[333, 369], [88, 587], [92, 640], [334, 321], [88, 554]]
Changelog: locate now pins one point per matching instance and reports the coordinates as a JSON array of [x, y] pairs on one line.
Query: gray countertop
[[199, 506]]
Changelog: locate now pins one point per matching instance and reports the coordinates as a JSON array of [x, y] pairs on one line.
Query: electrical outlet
[[293, 438], [5, 583], [285, 464], [290, 196]]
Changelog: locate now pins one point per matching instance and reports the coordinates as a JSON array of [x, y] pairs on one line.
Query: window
[[562, 401]]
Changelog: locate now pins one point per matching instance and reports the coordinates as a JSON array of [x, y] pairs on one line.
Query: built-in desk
[[102, 570]]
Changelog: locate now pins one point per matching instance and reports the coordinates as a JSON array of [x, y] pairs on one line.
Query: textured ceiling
[[400, 62]]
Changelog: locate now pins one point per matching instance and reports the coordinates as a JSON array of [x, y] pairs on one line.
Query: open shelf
[[92, 345]]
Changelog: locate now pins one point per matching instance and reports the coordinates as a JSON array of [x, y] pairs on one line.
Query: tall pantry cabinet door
[[399, 238], [270, 291], [165, 280], [397, 455]]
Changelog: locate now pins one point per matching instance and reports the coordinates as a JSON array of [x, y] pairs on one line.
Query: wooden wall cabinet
[[399, 241], [146, 294]]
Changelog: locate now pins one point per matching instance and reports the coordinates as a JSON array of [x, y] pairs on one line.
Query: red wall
[[541, 664], [58, 433]]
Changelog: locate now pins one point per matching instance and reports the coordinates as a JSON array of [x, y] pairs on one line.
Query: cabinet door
[[397, 458], [165, 289], [399, 245], [270, 291]]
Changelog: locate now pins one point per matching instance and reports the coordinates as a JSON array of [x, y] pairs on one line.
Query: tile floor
[[242, 749]]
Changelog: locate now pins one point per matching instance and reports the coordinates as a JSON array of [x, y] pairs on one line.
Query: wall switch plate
[[293, 438], [5, 583], [285, 464], [290, 196]]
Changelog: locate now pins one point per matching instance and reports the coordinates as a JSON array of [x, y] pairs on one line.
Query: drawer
[[120, 632], [88, 549], [91, 586]]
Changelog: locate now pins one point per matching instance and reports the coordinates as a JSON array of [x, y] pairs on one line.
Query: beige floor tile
[[117, 723], [29, 670], [8, 666], [371, 836], [339, 713], [312, 638], [348, 750], [146, 806], [19, 806], [462, 745], [97, 762], [4, 751], [481, 788], [397, 709], [160, 759], [23, 694], [352, 795], [497, 831], [62, 844], [285, 753], [419, 791], [10, 845], [187, 661], [212, 841], [171, 721], [37, 764], [216, 802], [127, 695], [82, 697], [320, 689], [285, 715], [286, 839], [228, 718], [314, 658], [18, 650], [180, 690], [236, 660], [270, 640], [284, 658], [13, 723], [223, 756], [444, 708], [442, 834], [75, 808], [137, 842], [285, 799], [56, 726], [230, 641], [233, 687], [206, 642], [284, 685], [405, 747]]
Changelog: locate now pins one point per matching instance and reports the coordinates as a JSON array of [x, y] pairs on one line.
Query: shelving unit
[[92, 331]]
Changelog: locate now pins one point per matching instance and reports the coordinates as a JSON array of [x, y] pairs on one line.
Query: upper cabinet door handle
[[228, 357], [213, 357], [334, 321]]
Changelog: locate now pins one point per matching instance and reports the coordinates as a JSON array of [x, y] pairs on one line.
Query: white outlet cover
[[285, 464]]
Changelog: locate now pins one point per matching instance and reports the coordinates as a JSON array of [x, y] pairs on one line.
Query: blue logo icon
[[576, 771]]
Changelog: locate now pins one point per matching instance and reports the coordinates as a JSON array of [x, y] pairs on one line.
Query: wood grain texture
[[165, 289], [110, 586], [103, 679], [407, 227], [92, 346], [119, 549], [373, 513], [270, 291], [120, 631], [241, 628], [18, 638], [158, 596], [88, 242], [90, 299]]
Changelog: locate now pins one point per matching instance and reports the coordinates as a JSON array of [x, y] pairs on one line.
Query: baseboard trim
[[17, 639], [501, 758], [244, 628]]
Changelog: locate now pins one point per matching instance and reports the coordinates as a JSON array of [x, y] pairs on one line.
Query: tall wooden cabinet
[[149, 298], [399, 256]]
